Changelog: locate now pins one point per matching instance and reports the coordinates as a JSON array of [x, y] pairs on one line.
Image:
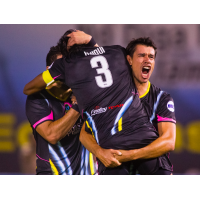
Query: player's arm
[[106, 156], [36, 85], [166, 129], [44, 79], [54, 131], [162, 145], [80, 37]]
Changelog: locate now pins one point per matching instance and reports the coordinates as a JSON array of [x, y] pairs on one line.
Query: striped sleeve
[[166, 109], [56, 71], [37, 110]]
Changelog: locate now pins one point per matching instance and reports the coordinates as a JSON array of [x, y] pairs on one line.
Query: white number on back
[[103, 70]]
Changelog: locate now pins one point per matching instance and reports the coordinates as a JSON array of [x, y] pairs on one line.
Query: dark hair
[[52, 55], [62, 43], [130, 49]]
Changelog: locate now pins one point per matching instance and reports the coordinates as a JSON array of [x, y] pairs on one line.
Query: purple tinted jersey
[[68, 156], [101, 81], [159, 105]]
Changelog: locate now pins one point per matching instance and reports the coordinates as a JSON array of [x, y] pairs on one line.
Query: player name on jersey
[[98, 51]]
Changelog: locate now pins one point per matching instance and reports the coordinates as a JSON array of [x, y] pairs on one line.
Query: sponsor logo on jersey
[[98, 110], [98, 51], [170, 106], [117, 106]]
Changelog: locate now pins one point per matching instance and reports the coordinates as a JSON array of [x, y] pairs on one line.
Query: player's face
[[142, 63]]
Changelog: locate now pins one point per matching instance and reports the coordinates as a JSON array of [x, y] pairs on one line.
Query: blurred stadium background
[[23, 51]]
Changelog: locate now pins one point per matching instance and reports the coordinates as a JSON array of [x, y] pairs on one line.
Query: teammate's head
[[58, 89], [53, 54], [146, 41], [62, 43], [141, 55]]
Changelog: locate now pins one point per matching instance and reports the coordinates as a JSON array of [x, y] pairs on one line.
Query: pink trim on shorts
[[165, 119], [44, 119], [56, 77], [41, 158]]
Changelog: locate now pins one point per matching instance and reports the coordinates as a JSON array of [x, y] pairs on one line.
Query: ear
[[129, 59]]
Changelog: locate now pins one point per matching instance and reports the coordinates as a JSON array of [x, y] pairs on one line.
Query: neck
[[141, 87]]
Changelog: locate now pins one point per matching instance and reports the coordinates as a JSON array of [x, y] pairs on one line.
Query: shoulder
[[59, 61], [38, 97], [117, 47], [164, 99], [158, 91]]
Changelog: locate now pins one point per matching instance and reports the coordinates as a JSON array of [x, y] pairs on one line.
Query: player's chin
[[145, 77]]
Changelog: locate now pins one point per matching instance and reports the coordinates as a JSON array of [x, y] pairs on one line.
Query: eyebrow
[[142, 54]]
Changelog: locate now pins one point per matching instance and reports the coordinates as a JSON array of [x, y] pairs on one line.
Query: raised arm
[[80, 37], [36, 85]]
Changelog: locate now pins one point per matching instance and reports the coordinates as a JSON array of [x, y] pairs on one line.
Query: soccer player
[[159, 106], [56, 127], [107, 97]]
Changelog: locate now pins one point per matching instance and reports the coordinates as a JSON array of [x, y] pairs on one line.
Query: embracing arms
[[163, 144], [54, 131], [109, 157]]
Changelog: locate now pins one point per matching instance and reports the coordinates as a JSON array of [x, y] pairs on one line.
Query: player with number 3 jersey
[[107, 98], [108, 101]]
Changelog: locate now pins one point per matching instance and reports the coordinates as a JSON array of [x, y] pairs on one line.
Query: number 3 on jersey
[[103, 70]]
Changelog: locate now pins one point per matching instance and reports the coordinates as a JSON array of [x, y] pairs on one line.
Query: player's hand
[[73, 99], [78, 37], [125, 157], [107, 157]]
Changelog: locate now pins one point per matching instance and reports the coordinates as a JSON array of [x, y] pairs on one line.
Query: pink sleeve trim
[[41, 158], [56, 77], [49, 117], [163, 119]]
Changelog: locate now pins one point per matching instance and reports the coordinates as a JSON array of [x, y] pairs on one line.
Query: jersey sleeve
[[55, 72], [166, 110], [37, 110]]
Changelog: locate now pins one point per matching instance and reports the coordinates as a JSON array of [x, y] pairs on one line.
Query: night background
[[23, 50]]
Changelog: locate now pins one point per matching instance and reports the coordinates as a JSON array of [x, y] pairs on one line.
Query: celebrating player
[[159, 106], [107, 97], [56, 127]]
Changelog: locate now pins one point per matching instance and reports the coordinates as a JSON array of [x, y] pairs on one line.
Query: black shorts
[[159, 166], [123, 169], [44, 173]]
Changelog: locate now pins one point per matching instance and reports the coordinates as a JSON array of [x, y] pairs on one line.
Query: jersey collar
[[146, 91]]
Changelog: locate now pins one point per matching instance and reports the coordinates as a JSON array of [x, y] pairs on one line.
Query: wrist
[[98, 151], [91, 42], [75, 107]]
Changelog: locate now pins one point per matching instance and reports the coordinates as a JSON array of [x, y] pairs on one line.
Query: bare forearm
[[106, 156], [60, 128], [89, 142], [163, 144], [157, 148], [36, 85]]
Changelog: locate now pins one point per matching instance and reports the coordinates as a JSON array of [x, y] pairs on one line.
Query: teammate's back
[[101, 81]]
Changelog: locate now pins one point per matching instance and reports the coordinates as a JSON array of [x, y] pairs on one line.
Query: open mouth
[[145, 71]]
